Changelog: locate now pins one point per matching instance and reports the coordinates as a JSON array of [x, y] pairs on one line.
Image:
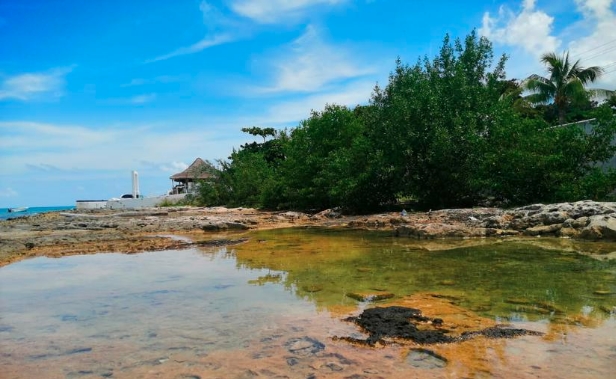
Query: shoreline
[[569, 226]]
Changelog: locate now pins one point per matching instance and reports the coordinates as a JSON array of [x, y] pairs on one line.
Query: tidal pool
[[274, 307]]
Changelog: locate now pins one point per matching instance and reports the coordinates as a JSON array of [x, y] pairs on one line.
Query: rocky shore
[[70, 233]]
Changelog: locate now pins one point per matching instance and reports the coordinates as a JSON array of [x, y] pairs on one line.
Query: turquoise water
[[5, 214]]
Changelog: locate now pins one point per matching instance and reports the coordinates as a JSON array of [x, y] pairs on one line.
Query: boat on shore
[[18, 209]]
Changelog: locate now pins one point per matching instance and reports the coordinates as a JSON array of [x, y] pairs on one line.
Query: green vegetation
[[446, 132], [565, 86]]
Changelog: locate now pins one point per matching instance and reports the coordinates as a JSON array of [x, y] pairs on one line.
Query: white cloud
[[33, 86], [309, 64], [162, 79], [173, 167], [213, 18], [289, 113], [8, 192], [530, 29], [220, 30], [529, 33], [48, 149], [274, 11], [205, 43], [31, 136], [142, 99], [599, 47]]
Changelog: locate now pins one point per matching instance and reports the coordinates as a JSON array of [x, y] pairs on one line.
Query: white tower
[[135, 185]]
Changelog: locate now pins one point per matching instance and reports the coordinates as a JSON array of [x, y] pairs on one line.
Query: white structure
[[135, 184], [133, 200], [142, 202], [90, 204]]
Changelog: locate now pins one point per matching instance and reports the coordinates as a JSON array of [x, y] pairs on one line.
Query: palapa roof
[[197, 170]]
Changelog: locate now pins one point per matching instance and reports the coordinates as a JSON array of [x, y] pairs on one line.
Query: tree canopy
[[449, 131], [565, 83]]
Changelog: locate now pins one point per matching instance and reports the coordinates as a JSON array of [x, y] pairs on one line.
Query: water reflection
[[505, 281], [271, 307]]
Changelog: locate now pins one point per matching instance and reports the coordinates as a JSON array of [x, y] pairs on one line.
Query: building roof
[[199, 169]]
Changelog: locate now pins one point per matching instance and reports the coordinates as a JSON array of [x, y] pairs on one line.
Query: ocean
[[5, 214]]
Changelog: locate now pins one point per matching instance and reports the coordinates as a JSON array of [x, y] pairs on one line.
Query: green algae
[[510, 280]]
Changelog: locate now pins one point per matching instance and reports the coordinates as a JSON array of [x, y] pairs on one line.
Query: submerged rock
[[424, 358], [401, 323], [372, 296], [304, 346], [396, 322]]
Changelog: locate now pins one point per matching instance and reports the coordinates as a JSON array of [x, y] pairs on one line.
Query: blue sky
[[90, 90]]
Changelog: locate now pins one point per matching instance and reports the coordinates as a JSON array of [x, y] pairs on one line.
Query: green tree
[[248, 174], [431, 121], [315, 173], [565, 84]]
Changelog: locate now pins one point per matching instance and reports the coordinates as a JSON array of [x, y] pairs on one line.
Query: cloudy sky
[[90, 90]]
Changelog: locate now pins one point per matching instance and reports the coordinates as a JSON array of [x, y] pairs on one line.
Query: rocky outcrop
[[583, 219], [74, 232]]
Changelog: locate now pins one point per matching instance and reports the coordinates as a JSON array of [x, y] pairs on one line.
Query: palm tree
[[565, 84]]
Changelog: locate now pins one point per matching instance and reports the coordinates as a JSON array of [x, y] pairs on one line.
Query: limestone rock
[[542, 230], [600, 227]]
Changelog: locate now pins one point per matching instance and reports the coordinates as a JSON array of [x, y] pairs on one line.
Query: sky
[[91, 90]]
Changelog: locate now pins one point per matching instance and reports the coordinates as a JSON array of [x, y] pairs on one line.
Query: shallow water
[[272, 307]]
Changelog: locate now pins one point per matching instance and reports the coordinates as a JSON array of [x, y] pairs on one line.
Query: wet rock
[[517, 301], [542, 230], [236, 226], [304, 346], [568, 233], [219, 242], [375, 296], [312, 288], [426, 359], [395, 322], [608, 311], [402, 323], [334, 366], [500, 332]]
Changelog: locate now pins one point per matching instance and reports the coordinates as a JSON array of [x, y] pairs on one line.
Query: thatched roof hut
[[198, 170]]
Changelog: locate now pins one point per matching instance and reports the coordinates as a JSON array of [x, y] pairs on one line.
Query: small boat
[[20, 209]]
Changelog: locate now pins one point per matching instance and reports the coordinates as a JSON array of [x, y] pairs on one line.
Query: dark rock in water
[[304, 346], [401, 322], [68, 318], [500, 332], [78, 350], [424, 358], [334, 366], [396, 322]]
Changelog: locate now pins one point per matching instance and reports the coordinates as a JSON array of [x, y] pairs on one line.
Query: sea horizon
[[29, 211]]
